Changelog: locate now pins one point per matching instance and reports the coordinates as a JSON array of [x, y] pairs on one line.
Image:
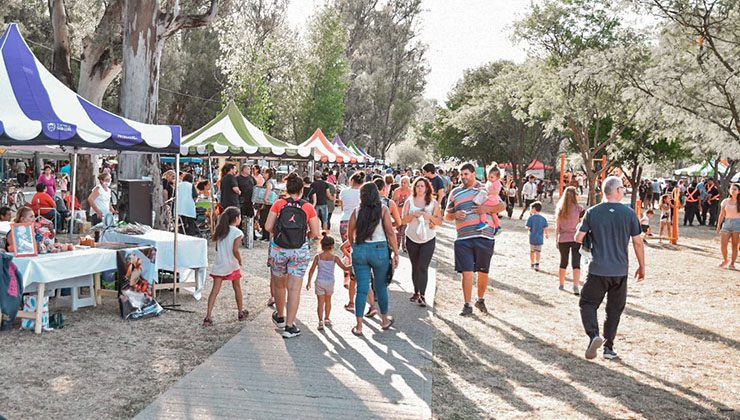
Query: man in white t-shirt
[[529, 194]]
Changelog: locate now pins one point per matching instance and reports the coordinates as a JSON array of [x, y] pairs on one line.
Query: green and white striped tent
[[700, 169], [231, 134]]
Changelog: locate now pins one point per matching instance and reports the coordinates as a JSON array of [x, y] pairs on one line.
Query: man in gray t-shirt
[[610, 225]]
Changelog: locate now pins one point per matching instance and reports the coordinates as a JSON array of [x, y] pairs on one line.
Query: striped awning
[[37, 109], [353, 147], [230, 133], [324, 151], [339, 144]]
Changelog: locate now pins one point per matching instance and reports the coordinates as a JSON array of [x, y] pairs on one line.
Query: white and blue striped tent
[[36, 109]]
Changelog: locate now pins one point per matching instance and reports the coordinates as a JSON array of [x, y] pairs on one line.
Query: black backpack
[[291, 226]]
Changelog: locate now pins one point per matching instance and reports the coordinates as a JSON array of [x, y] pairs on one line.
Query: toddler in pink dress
[[489, 196]]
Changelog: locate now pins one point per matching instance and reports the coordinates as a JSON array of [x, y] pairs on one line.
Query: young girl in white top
[[324, 288], [228, 261]]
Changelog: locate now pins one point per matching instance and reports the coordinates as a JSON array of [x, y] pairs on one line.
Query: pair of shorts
[[535, 248], [473, 254], [731, 226], [343, 225], [288, 262], [233, 276], [324, 287], [645, 228]]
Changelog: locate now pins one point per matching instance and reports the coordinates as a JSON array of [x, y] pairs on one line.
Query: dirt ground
[[677, 340], [677, 343], [99, 366]]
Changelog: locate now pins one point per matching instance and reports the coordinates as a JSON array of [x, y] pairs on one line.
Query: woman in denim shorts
[[287, 266], [729, 220]]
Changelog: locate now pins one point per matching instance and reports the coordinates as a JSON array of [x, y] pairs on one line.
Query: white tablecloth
[[192, 252], [49, 268]]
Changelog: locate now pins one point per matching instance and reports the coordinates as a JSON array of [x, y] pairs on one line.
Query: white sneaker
[[596, 342]]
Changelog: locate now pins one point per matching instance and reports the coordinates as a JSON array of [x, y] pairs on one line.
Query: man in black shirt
[[320, 188], [438, 185], [246, 182], [229, 188], [712, 203]]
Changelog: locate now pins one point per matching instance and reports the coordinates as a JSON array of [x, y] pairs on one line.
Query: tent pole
[[211, 190], [74, 191], [177, 227]]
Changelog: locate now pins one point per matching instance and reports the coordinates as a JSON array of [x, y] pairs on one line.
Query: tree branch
[[174, 21]]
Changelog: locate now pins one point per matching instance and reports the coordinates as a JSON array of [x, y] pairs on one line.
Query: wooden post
[[676, 207], [98, 296], [603, 167], [562, 173], [39, 307]]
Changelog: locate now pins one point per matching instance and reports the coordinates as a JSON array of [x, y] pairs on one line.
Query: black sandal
[[356, 333], [207, 322], [390, 324]]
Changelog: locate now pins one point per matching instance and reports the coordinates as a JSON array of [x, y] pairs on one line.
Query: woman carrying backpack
[[291, 222], [370, 232]]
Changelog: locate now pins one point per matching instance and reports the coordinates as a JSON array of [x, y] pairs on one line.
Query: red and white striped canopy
[[324, 151]]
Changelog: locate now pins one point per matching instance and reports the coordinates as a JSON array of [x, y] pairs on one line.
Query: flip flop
[[356, 333], [350, 308], [390, 324]]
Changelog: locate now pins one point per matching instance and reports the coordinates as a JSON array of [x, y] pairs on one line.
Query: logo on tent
[[58, 126]]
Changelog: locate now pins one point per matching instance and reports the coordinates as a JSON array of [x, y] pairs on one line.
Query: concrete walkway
[[321, 374]]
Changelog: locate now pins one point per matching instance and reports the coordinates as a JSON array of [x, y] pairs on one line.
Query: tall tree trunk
[[60, 66], [101, 57], [145, 29], [142, 52]]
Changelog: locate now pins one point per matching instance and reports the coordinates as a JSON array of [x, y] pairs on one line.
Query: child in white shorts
[[324, 285]]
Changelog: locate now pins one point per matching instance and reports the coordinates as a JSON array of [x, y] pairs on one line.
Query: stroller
[[202, 222]]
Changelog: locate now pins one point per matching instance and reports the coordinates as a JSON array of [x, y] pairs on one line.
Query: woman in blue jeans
[[369, 233]]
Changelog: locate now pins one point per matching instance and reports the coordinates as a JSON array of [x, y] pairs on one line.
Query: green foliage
[[387, 71], [327, 74]]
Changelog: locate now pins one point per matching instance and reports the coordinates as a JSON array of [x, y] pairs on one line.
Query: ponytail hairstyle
[[293, 183], [369, 213], [327, 242], [225, 220], [358, 178]]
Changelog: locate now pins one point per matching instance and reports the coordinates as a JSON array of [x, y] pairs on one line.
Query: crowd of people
[[385, 213]]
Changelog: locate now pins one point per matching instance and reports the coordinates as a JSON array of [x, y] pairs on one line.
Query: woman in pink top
[[569, 214], [48, 179], [729, 221]]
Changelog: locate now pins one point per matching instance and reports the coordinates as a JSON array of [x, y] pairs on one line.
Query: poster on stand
[[136, 277]]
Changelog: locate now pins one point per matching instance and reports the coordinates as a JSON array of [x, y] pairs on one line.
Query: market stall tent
[[231, 134], [37, 109], [356, 150], [700, 169], [339, 144], [324, 151]]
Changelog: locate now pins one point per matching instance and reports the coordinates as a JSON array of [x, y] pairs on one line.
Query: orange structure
[[674, 222], [562, 172]]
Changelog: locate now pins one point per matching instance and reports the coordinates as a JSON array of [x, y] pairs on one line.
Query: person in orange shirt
[[44, 205]]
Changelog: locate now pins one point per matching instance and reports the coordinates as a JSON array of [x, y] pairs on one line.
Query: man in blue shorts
[[473, 247]]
